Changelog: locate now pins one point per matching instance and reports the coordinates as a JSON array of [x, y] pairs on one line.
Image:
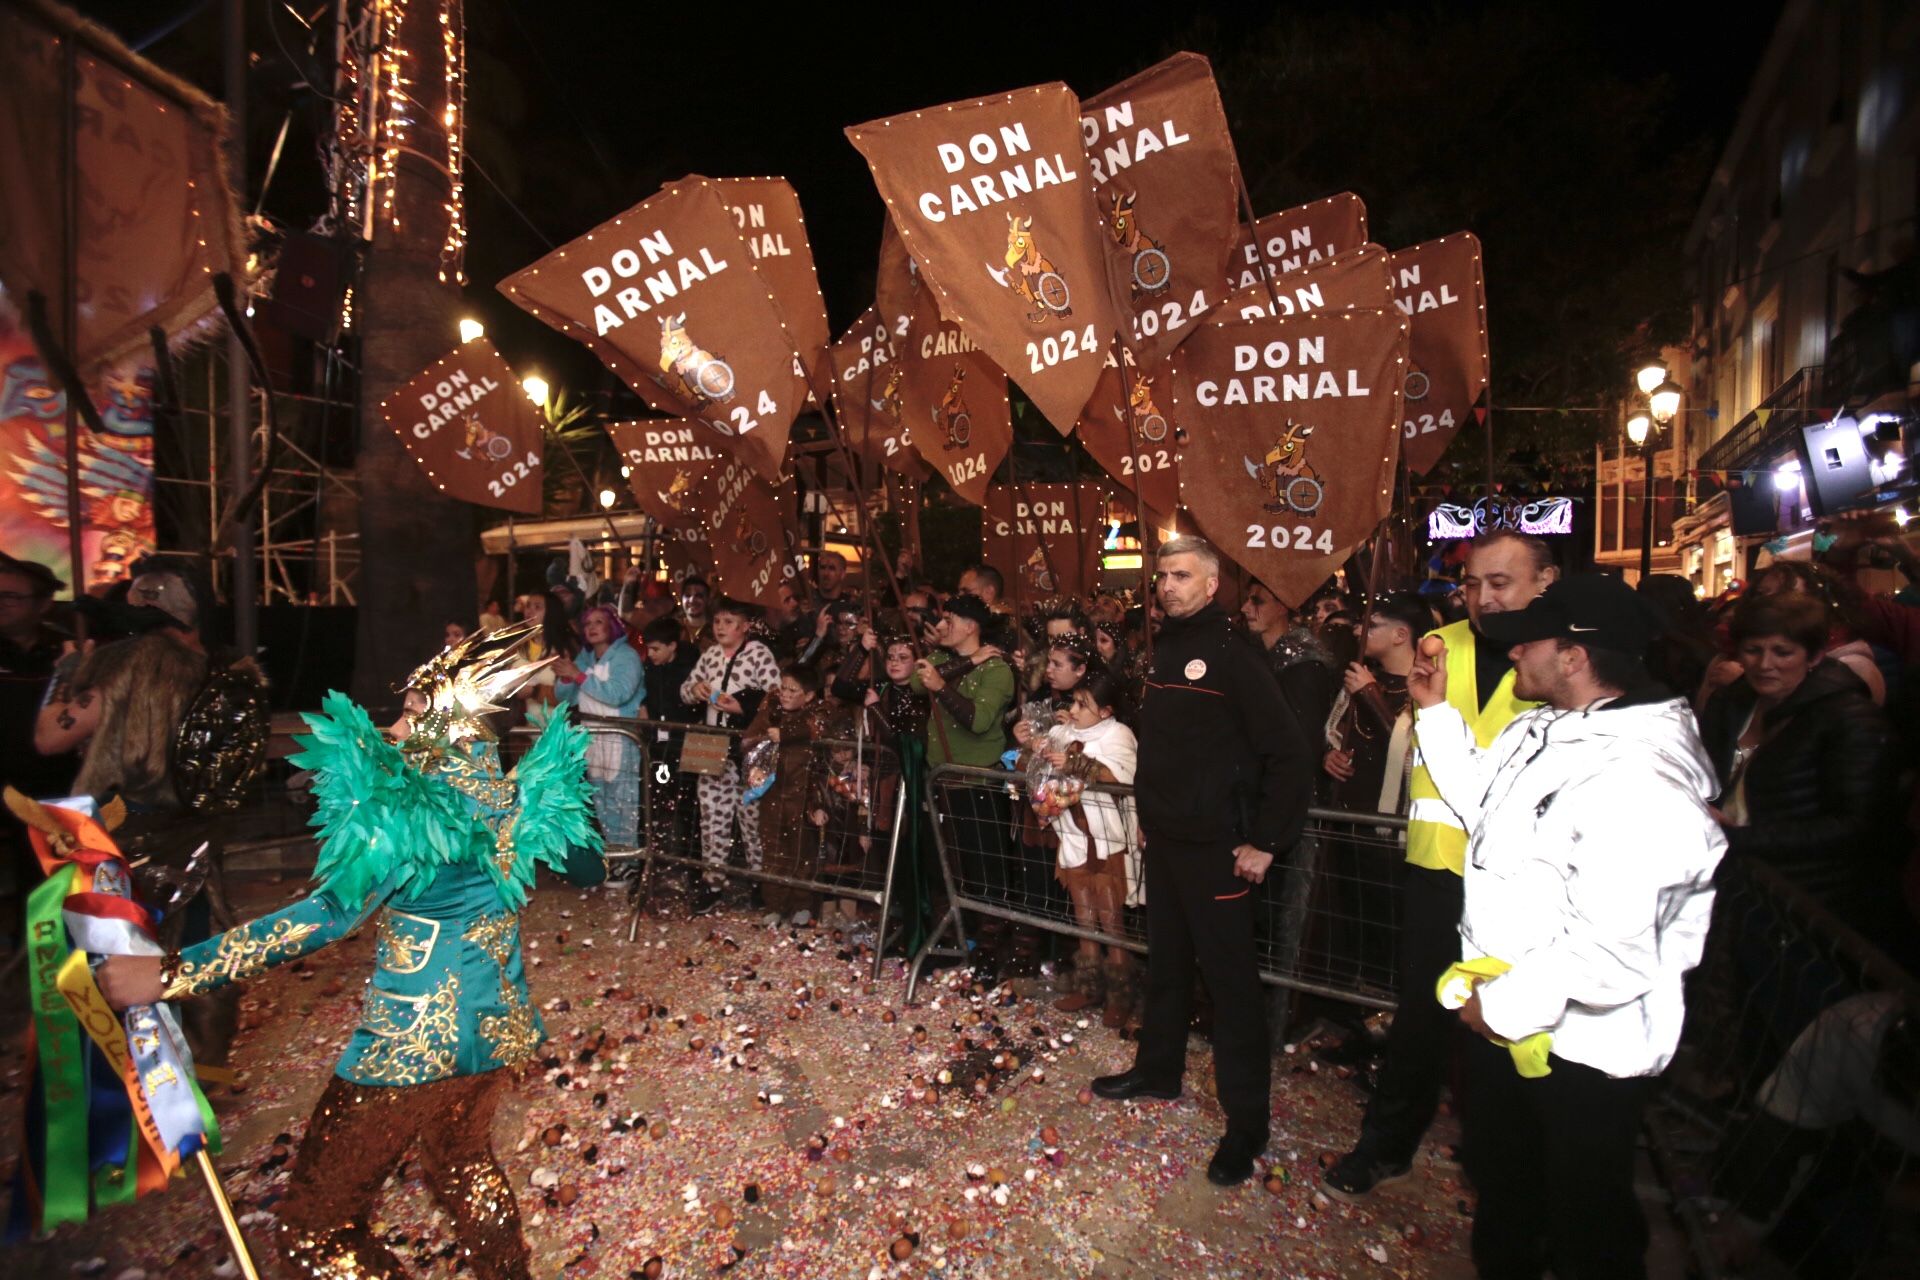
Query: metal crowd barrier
[[1789, 1128], [1327, 914], [603, 732], [855, 786]]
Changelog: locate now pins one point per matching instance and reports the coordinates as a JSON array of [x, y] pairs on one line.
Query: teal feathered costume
[[436, 837], [433, 835]]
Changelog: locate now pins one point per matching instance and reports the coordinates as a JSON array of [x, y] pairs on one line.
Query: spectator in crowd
[[829, 581], [454, 634], [1808, 1169], [787, 626], [692, 615], [1370, 733], [1589, 886], [1684, 649], [1099, 837], [795, 718], [729, 680], [122, 705], [29, 648], [1322, 605], [1222, 785], [671, 796], [921, 616], [888, 693], [606, 678], [1804, 759], [1505, 571], [1845, 607], [1303, 666], [556, 638], [897, 718], [1110, 646], [985, 583], [836, 630], [491, 619], [971, 687]]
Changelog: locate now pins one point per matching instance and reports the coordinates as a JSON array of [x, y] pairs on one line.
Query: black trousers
[[1553, 1161], [1421, 1042], [1199, 912]]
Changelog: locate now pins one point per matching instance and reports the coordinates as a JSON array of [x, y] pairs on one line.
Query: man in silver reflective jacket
[[1588, 892]]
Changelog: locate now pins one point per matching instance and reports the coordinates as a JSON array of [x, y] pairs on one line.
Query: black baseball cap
[[1596, 610], [964, 604]]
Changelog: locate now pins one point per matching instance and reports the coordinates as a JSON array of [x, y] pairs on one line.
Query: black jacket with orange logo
[[1221, 754]]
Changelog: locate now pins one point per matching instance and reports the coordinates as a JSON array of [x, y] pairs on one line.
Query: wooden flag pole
[[1140, 519], [227, 1220], [1020, 490]]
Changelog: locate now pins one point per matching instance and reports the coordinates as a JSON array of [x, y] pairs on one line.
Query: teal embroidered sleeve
[[247, 950]]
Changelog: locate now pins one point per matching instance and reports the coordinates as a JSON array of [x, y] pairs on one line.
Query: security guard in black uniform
[[1223, 784]]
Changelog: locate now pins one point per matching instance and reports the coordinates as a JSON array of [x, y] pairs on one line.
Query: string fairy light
[[390, 70], [453, 118]]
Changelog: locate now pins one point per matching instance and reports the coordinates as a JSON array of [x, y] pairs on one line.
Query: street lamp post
[[1640, 431], [1663, 403]]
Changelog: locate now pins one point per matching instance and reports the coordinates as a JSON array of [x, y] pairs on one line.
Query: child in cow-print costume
[[730, 681]]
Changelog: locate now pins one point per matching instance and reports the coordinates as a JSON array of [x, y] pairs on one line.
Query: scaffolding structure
[[305, 533]]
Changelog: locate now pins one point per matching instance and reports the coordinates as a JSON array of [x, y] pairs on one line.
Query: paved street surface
[[730, 1097]]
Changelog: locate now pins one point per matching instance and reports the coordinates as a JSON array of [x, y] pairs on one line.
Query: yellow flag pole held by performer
[[429, 830]]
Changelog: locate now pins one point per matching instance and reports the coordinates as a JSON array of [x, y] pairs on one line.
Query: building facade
[[1803, 267]]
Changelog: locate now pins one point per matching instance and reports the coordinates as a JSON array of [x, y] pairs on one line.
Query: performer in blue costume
[[428, 831]]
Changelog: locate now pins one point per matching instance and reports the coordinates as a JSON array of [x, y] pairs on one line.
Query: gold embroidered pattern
[[514, 1035], [240, 954], [399, 951], [504, 853], [495, 935], [421, 1050], [478, 781]]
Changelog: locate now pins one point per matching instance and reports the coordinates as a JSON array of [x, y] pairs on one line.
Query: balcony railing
[[1793, 404]]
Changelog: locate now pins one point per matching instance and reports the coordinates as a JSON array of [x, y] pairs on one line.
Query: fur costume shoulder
[[392, 819]]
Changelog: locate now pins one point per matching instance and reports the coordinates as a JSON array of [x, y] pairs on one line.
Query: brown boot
[[1122, 994], [1086, 987]]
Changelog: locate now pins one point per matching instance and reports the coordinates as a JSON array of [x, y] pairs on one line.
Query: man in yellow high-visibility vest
[[1505, 571]]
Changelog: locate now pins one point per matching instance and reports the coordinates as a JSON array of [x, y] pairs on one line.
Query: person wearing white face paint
[[1588, 890]]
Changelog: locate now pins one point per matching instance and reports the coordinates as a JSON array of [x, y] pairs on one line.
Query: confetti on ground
[[726, 1096]]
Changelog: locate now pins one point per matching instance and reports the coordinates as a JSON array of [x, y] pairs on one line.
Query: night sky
[[581, 109]]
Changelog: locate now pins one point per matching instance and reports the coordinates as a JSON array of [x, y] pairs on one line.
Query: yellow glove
[[1455, 988]]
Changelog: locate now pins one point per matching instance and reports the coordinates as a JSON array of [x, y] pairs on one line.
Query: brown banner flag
[[1361, 277], [1129, 429], [472, 429], [1046, 539], [667, 296], [867, 378], [1439, 289], [1165, 180], [953, 401], [1297, 238], [896, 283], [664, 458], [1295, 428], [749, 528], [766, 213], [994, 199]]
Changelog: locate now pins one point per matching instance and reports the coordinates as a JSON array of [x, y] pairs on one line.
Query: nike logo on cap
[[1574, 626]]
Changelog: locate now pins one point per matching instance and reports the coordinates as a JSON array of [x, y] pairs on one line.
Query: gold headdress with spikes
[[462, 682]]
